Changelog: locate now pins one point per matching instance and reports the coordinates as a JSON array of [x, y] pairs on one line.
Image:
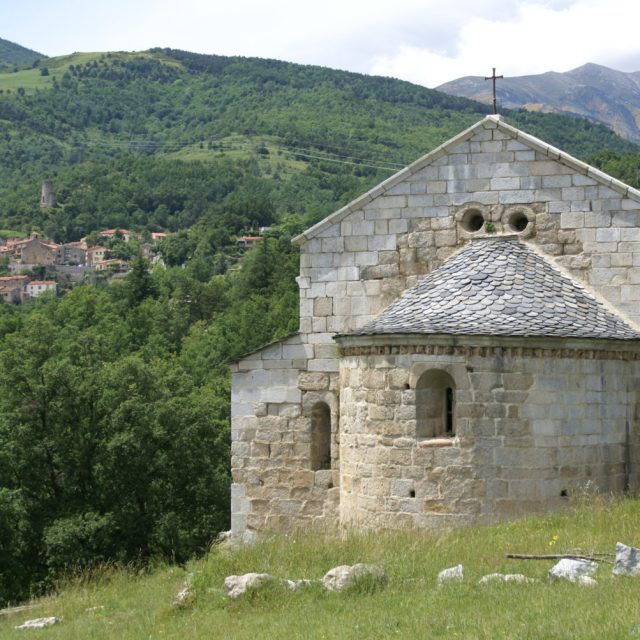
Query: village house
[[72, 253], [468, 349], [13, 289], [95, 255], [113, 264], [36, 288], [246, 242], [33, 250], [125, 234]]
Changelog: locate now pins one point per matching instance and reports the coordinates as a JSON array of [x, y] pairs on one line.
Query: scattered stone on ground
[[574, 570], [627, 561], [185, 596], [294, 585], [22, 607], [505, 577], [223, 536], [38, 623], [450, 574], [343, 576], [238, 585]]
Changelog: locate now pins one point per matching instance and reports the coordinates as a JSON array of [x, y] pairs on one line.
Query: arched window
[[320, 436], [435, 405]]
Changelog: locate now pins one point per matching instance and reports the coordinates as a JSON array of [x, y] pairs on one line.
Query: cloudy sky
[[424, 41]]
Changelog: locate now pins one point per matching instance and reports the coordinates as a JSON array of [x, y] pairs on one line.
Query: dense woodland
[[114, 424]]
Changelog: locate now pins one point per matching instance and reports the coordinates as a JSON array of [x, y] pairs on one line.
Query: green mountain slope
[[12, 55], [301, 139]]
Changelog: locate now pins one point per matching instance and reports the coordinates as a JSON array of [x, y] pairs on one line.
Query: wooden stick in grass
[[598, 557]]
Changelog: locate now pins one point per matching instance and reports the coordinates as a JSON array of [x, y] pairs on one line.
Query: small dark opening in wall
[[407, 386], [330, 485], [449, 410], [412, 493], [519, 221], [472, 221], [564, 493]]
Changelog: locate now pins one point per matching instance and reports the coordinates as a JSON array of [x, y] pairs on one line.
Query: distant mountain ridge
[[603, 95], [12, 54]]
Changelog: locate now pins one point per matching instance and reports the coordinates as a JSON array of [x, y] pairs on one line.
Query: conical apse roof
[[499, 286]]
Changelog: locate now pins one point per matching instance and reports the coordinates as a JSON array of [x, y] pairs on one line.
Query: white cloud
[[538, 37]]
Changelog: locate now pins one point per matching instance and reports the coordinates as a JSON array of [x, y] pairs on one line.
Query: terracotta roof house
[[468, 350]]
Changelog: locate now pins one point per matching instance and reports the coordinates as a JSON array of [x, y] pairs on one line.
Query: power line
[[151, 145]]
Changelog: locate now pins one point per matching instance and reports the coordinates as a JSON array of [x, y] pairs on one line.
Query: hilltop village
[[66, 263]]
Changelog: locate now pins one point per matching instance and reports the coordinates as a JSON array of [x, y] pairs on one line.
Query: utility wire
[[150, 145]]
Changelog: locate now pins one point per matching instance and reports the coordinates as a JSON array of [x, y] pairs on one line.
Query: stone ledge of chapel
[[436, 344]]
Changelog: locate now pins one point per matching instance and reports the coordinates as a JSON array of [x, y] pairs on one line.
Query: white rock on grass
[[627, 561], [339, 578], [294, 585], [185, 596], [505, 577], [451, 574], [38, 623], [238, 585], [574, 570]]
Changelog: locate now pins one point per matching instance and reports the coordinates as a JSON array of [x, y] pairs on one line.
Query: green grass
[[410, 606]]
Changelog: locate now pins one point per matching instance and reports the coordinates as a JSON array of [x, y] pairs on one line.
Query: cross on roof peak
[[493, 77]]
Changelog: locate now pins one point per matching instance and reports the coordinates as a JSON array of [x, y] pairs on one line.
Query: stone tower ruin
[[47, 197]]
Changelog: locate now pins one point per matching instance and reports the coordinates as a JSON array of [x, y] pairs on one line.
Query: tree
[[139, 283]]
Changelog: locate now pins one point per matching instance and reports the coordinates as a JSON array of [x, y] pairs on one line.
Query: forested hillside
[[114, 398]]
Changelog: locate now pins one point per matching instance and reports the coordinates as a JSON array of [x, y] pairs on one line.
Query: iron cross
[[494, 77]]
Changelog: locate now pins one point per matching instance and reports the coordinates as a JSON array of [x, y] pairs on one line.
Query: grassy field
[[117, 604]]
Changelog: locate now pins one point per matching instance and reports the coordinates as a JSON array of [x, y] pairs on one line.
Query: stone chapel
[[468, 350]]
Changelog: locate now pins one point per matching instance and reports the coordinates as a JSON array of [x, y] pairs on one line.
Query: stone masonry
[[534, 419]]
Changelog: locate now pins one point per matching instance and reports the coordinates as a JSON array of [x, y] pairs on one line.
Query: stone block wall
[[274, 487], [533, 427]]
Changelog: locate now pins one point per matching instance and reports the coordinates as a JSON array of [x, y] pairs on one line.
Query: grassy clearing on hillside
[[410, 606], [31, 79], [239, 147]]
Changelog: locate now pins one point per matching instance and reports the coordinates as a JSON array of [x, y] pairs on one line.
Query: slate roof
[[498, 286]]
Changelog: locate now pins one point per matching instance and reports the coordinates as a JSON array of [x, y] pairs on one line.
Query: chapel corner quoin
[[468, 349]]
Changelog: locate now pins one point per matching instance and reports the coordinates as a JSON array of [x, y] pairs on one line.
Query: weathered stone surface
[[627, 561], [343, 576], [238, 585], [452, 574], [574, 570], [38, 623]]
